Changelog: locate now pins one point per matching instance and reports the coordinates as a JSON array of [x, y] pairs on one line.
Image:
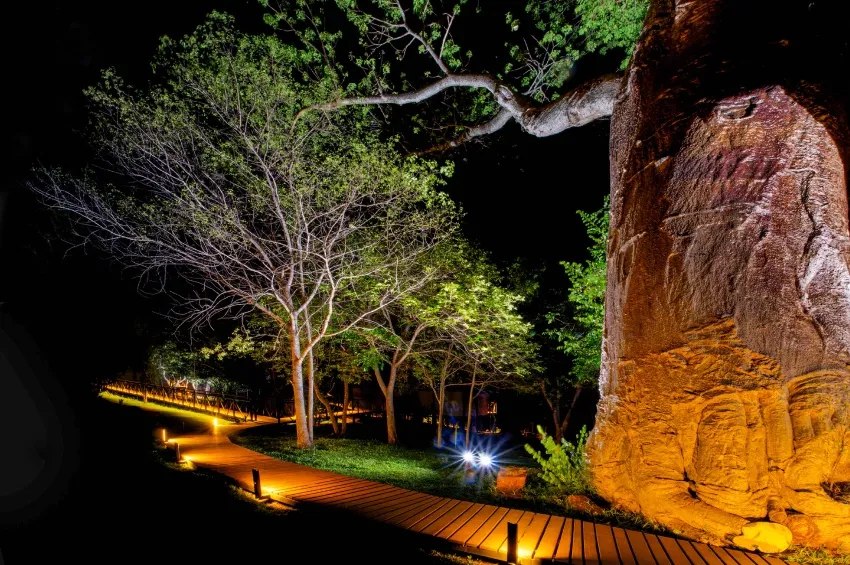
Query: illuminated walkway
[[479, 529]]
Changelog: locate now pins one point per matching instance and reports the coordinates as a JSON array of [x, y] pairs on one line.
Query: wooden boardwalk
[[479, 529]]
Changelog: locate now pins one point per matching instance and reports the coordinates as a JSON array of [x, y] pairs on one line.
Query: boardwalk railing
[[234, 406]]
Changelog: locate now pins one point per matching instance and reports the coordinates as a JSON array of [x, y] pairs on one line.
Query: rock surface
[[766, 537], [725, 386]]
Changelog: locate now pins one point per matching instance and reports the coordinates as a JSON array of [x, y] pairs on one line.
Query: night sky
[[520, 193]]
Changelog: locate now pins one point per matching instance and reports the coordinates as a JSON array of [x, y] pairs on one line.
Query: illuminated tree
[[578, 325], [210, 184]]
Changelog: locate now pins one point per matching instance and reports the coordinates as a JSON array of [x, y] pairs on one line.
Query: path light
[[215, 422], [468, 456], [485, 460], [164, 436]]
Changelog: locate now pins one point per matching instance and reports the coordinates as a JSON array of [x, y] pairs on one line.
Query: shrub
[[564, 465]]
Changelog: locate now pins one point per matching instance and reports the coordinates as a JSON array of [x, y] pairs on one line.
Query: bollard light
[[513, 535], [258, 489], [177, 452], [164, 435]]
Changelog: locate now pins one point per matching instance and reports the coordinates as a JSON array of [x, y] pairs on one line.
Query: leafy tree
[[210, 183], [578, 326], [521, 79]]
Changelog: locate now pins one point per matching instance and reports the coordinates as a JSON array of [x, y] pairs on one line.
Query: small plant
[[814, 556], [564, 465]]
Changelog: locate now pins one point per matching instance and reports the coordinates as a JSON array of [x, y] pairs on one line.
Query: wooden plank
[[577, 551], [740, 557], [606, 545], [340, 497], [351, 499], [725, 557], [486, 528], [417, 508], [383, 514], [428, 520], [757, 558], [425, 514], [317, 486], [691, 552], [437, 526], [624, 550], [522, 525], [674, 552], [549, 539], [388, 504], [657, 550], [640, 548], [707, 554], [475, 523], [566, 541], [460, 521], [500, 532], [773, 560], [530, 538]]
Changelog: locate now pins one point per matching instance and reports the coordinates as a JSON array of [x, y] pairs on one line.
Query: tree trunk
[[566, 421], [388, 389], [304, 438], [311, 389], [331, 414], [345, 401], [469, 406], [725, 384], [392, 434], [441, 399]]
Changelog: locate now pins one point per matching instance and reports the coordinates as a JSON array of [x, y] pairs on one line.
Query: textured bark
[[725, 386]]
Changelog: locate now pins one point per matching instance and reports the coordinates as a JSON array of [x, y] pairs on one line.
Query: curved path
[[479, 529]]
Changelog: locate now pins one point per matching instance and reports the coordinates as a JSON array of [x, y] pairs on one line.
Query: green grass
[[809, 556], [415, 469]]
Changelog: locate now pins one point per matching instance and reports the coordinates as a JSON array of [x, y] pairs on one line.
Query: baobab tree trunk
[[725, 386]]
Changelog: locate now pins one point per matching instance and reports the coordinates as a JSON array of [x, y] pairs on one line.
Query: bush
[[564, 465]]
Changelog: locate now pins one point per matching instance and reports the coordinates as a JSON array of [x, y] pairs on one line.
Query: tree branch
[[591, 101]]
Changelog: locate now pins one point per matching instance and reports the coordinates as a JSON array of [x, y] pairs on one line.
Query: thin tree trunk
[[392, 433], [441, 399], [566, 420], [388, 389], [311, 390], [302, 432], [469, 407], [344, 407], [331, 414]]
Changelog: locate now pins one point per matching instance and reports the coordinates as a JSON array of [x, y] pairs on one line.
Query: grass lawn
[[422, 470]]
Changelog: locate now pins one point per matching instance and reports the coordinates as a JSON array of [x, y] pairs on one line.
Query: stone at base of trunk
[[765, 537]]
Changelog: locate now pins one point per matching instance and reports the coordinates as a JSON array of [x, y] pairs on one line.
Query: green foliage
[[810, 556], [564, 465], [581, 337]]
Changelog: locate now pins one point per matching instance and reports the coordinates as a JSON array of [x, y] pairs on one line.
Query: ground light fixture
[[485, 460], [468, 457]]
